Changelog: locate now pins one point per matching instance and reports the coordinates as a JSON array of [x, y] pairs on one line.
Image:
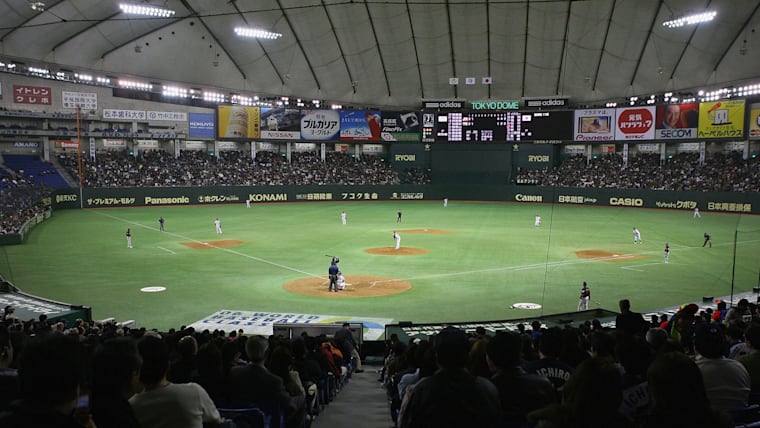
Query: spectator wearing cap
[[727, 382], [520, 392], [452, 397]]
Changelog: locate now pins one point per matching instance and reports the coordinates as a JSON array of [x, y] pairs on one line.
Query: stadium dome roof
[[386, 53]]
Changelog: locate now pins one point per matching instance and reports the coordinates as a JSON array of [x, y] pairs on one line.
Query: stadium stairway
[[362, 402]]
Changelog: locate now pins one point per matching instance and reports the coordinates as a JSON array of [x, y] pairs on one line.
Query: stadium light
[[690, 19], [147, 10], [256, 33]]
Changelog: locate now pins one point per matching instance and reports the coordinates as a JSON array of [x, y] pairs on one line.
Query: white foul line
[[166, 249]]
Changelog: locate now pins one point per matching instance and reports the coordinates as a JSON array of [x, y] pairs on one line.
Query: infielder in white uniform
[[129, 238], [218, 225], [343, 217], [397, 238]]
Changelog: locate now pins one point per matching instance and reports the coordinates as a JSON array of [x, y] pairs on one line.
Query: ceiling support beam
[[646, 42]]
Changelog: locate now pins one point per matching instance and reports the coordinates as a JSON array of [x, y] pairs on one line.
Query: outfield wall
[[726, 202]]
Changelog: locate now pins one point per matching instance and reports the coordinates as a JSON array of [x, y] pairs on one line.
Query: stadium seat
[[251, 417]]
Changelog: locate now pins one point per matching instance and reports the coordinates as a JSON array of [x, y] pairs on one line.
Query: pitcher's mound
[[356, 286], [392, 251], [607, 256], [207, 245]]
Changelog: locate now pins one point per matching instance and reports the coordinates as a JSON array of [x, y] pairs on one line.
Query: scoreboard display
[[547, 126], [504, 127], [470, 127]]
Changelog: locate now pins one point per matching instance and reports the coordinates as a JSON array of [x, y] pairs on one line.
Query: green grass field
[[493, 258]]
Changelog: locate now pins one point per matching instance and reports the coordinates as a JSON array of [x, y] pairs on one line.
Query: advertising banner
[[634, 123], [594, 124], [84, 100], [167, 116], [320, 124], [23, 94], [118, 114], [114, 143], [201, 125], [401, 126], [280, 124], [238, 122], [361, 125], [754, 122], [226, 146], [676, 121], [721, 119]]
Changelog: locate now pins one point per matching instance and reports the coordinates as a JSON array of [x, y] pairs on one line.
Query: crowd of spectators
[[229, 168], [720, 172], [21, 199], [696, 368], [142, 378]]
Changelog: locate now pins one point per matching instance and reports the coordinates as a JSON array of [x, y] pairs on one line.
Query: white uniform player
[[636, 236], [218, 225], [696, 213], [343, 217], [397, 238], [341, 281], [537, 223]]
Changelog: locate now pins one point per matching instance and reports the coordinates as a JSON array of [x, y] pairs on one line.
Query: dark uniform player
[[161, 224], [584, 298], [398, 219], [708, 240], [332, 272]]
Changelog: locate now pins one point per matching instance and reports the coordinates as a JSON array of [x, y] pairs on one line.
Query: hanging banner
[[201, 125], [634, 123], [721, 119], [754, 122], [356, 125], [594, 124], [320, 124], [83, 100], [23, 94], [400, 126], [676, 121], [238, 122]]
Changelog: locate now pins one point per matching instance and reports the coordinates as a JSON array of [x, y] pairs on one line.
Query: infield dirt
[[356, 286]]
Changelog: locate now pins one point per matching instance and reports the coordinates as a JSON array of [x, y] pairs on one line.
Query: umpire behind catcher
[[332, 272]]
